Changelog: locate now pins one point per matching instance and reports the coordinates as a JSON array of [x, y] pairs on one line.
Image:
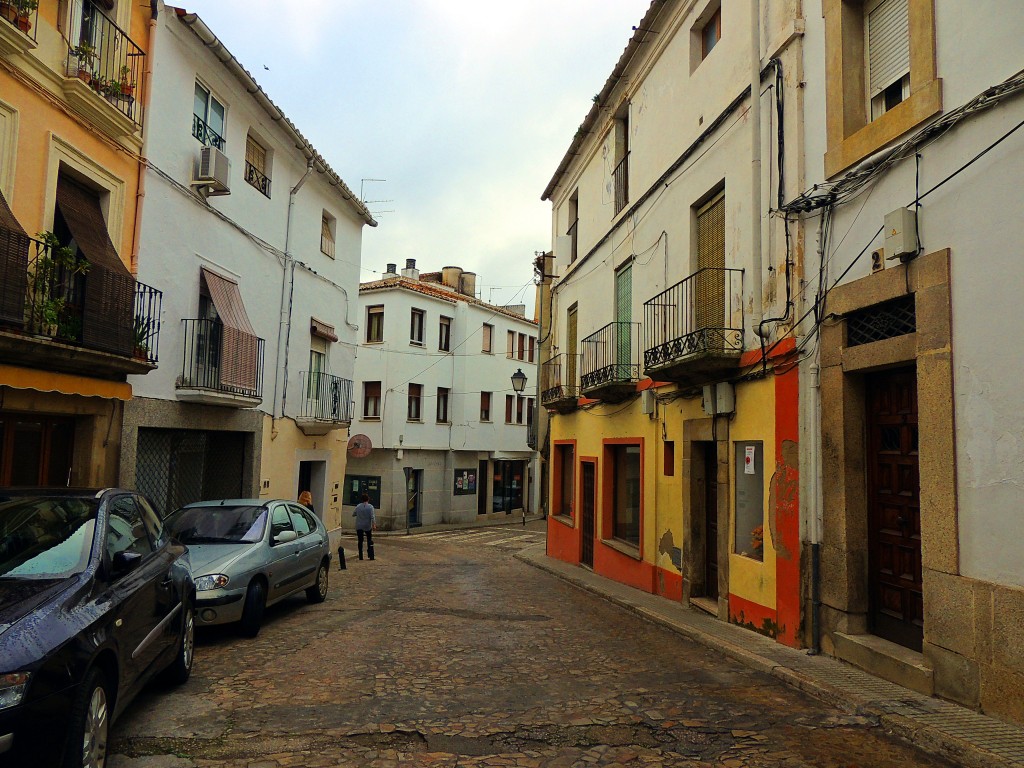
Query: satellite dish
[[359, 446]]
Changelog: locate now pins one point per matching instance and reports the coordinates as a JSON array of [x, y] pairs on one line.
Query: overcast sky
[[464, 107]]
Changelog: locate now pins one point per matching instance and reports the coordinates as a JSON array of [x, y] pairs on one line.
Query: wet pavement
[[446, 651]]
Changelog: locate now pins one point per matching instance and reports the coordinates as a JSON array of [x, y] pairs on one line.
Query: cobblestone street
[[447, 651]]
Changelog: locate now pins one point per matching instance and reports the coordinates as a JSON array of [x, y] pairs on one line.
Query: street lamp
[[519, 380]]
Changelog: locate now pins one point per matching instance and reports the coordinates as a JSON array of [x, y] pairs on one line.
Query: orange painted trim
[[786, 489], [751, 615], [63, 383], [753, 356], [556, 480], [668, 584], [649, 383], [579, 490], [586, 401], [607, 506]]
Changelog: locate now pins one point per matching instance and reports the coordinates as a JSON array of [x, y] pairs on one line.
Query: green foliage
[[50, 281]]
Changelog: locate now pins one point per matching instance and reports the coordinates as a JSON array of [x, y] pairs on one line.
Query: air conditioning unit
[[214, 172]]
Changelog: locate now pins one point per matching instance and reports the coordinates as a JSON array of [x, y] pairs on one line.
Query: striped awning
[[239, 345], [322, 329]]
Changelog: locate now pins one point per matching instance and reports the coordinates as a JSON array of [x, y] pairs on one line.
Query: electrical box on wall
[[901, 234], [719, 398], [647, 402]]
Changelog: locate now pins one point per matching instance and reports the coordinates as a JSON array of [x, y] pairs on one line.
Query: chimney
[[467, 284], [451, 277], [391, 271], [410, 270]]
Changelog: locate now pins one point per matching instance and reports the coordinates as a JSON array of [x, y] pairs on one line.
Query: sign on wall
[[357, 485], [465, 482]]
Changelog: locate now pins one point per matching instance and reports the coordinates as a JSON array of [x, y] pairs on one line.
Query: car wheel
[[180, 669], [89, 724], [318, 592], [252, 611]]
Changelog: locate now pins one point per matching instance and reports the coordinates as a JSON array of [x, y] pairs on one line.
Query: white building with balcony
[[441, 435], [261, 241]]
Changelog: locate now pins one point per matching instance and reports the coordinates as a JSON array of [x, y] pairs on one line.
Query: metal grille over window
[[256, 166], [176, 466], [883, 321]]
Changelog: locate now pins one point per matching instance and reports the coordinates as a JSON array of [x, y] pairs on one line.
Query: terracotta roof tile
[[432, 289]]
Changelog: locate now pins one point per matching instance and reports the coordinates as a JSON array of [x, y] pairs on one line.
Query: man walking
[[366, 524]]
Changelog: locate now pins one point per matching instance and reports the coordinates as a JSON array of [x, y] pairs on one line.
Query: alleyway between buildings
[[448, 651]]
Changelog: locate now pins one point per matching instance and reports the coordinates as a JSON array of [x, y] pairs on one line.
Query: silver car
[[247, 554]]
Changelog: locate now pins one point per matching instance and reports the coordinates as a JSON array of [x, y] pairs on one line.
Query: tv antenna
[[362, 183]]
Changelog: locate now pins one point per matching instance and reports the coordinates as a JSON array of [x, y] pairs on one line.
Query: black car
[[95, 599]]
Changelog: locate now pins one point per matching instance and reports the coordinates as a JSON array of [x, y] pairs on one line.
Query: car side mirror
[[285, 536], [125, 562]]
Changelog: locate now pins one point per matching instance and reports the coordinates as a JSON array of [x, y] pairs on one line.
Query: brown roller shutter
[[14, 246], [239, 345], [109, 295]]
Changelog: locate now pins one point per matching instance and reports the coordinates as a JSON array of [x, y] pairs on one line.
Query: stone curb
[[924, 737]]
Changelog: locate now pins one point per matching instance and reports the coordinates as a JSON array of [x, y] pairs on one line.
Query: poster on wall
[[465, 482]]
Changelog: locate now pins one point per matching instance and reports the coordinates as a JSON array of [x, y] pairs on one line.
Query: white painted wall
[[672, 107], [181, 232], [977, 216]]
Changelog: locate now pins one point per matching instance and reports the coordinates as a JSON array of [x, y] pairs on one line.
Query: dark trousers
[[369, 543]]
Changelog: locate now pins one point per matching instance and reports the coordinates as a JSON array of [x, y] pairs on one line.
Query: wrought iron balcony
[[326, 403], [105, 58], [620, 176], [611, 361], [531, 429], [559, 382], [51, 294], [22, 17], [695, 328], [206, 134], [256, 178], [221, 365]]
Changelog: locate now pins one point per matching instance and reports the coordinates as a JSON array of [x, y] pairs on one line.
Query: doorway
[[708, 480], [312, 478], [413, 497], [508, 486], [588, 493], [895, 584], [481, 488], [36, 450]]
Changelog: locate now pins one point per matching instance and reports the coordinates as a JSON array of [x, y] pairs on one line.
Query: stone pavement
[[939, 727], [447, 651]]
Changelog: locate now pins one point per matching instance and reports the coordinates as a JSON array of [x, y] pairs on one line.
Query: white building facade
[[447, 439], [258, 241], [914, 158]]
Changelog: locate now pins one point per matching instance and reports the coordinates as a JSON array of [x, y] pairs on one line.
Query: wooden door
[[711, 520], [588, 483], [894, 509]]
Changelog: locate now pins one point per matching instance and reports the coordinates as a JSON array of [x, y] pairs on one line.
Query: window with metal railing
[[256, 166], [208, 116]]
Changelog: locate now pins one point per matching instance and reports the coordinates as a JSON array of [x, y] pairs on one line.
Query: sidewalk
[[933, 725]]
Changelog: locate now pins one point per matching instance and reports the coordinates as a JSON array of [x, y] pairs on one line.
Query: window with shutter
[[709, 282], [887, 36], [488, 335], [327, 225], [257, 173]]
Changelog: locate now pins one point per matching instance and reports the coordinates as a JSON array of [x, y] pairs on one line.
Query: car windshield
[[45, 537], [239, 524]]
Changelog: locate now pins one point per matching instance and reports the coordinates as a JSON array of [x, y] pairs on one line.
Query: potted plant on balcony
[[84, 54], [141, 331], [126, 84], [23, 8], [9, 11], [54, 268]]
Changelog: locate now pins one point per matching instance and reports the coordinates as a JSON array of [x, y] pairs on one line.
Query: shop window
[[565, 454], [749, 490], [625, 475]]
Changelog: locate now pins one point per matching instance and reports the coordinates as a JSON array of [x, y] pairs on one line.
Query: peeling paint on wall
[[666, 546], [783, 506]]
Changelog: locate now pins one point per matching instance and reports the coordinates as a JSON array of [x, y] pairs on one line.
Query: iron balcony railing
[[54, 293], [206, 134], [102, 55], [256, 178], [326, 398], [573, 240], [702, 314], [559, 378], [621, 178], [220, 358], [611, 356], [21, 16]]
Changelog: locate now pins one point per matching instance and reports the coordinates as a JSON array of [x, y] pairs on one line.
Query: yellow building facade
[[74, 322]]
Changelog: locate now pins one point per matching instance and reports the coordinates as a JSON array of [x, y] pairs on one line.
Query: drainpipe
[[813, 413], [287, 289], [140, 188], [755, 164]]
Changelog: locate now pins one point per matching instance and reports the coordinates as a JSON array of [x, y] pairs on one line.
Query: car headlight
[[12, 688], [213, 581]]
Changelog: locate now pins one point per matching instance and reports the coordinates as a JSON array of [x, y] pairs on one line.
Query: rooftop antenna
[[362, 182]]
